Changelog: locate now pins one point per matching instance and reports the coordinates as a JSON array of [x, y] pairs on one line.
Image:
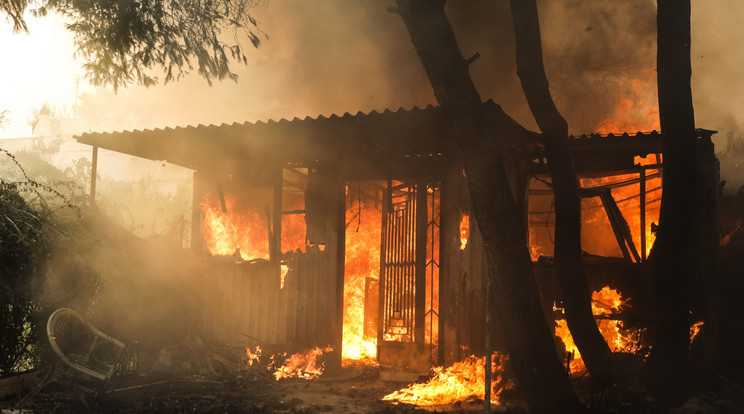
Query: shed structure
[[428, 296]]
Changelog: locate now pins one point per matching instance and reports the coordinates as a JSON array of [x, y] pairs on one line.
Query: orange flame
[[228, 232], [464, 230], [362, 270], [284, 271], [300, 365], [604, 302], [462, 381], [252, 357], [695, 330], [597, 234]]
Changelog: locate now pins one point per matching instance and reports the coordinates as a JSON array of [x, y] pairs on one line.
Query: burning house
[[354, 231]]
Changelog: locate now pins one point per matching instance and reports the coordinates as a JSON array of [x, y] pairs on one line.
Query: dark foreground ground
[[351, 391]]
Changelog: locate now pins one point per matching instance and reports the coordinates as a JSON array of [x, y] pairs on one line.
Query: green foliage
[[27, 209], [20, 231], [123, 40]]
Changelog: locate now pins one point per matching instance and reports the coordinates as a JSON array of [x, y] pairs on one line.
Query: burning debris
[[304, 365], [464, 230], [464, 380], [605, 303]]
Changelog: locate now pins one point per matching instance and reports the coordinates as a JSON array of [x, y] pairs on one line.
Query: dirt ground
[[351, 391]]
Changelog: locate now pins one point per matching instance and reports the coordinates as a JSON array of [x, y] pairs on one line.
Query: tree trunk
[[569, 268], [517, 303], [672, 273]]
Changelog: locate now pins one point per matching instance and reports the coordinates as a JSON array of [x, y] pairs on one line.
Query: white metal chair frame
[[95, 357]]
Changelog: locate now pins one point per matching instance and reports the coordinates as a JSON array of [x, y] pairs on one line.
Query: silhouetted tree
[[575, 290], [517, 303], [673, 249]]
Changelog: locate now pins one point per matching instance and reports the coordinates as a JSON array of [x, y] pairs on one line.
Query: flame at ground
[[362, 273], [462, 381], [304, 365], [252, 357], [604, 302]]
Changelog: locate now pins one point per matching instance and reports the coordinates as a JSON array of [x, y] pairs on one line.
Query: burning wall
[[288, 298]]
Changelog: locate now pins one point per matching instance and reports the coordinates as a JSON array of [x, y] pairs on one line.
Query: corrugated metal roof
[[349, 137]]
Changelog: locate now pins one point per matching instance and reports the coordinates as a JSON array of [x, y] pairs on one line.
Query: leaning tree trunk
[[529, 342], [569, 267], [672, 272]]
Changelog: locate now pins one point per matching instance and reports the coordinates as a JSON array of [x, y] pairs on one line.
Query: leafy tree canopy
[[123, 41]]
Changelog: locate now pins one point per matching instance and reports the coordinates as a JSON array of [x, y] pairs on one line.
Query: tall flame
[[462, 381], [362, 271]]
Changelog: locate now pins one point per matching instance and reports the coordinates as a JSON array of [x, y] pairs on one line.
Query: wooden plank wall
[[463, 278], [250, 307]]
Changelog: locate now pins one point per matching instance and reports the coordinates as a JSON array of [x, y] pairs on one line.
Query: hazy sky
[[335, 56]]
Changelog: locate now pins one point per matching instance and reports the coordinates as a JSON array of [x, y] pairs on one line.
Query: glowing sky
[[37, 68]]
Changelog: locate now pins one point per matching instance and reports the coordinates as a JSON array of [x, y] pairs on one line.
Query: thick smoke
[[331, 56]]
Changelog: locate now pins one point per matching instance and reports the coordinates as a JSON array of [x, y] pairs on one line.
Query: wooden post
[[444, 222], [196, 225], [93, 174], [643, 213], [340, 193], [276, 256], [386, 203], [422, 221], [489, 329]]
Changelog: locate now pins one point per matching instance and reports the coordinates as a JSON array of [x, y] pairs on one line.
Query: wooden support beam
[[93, 175], [643, 212], [422, 220], [196, 225]]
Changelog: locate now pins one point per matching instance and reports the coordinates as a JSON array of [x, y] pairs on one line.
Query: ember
[[462, 381], [695, 330]]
